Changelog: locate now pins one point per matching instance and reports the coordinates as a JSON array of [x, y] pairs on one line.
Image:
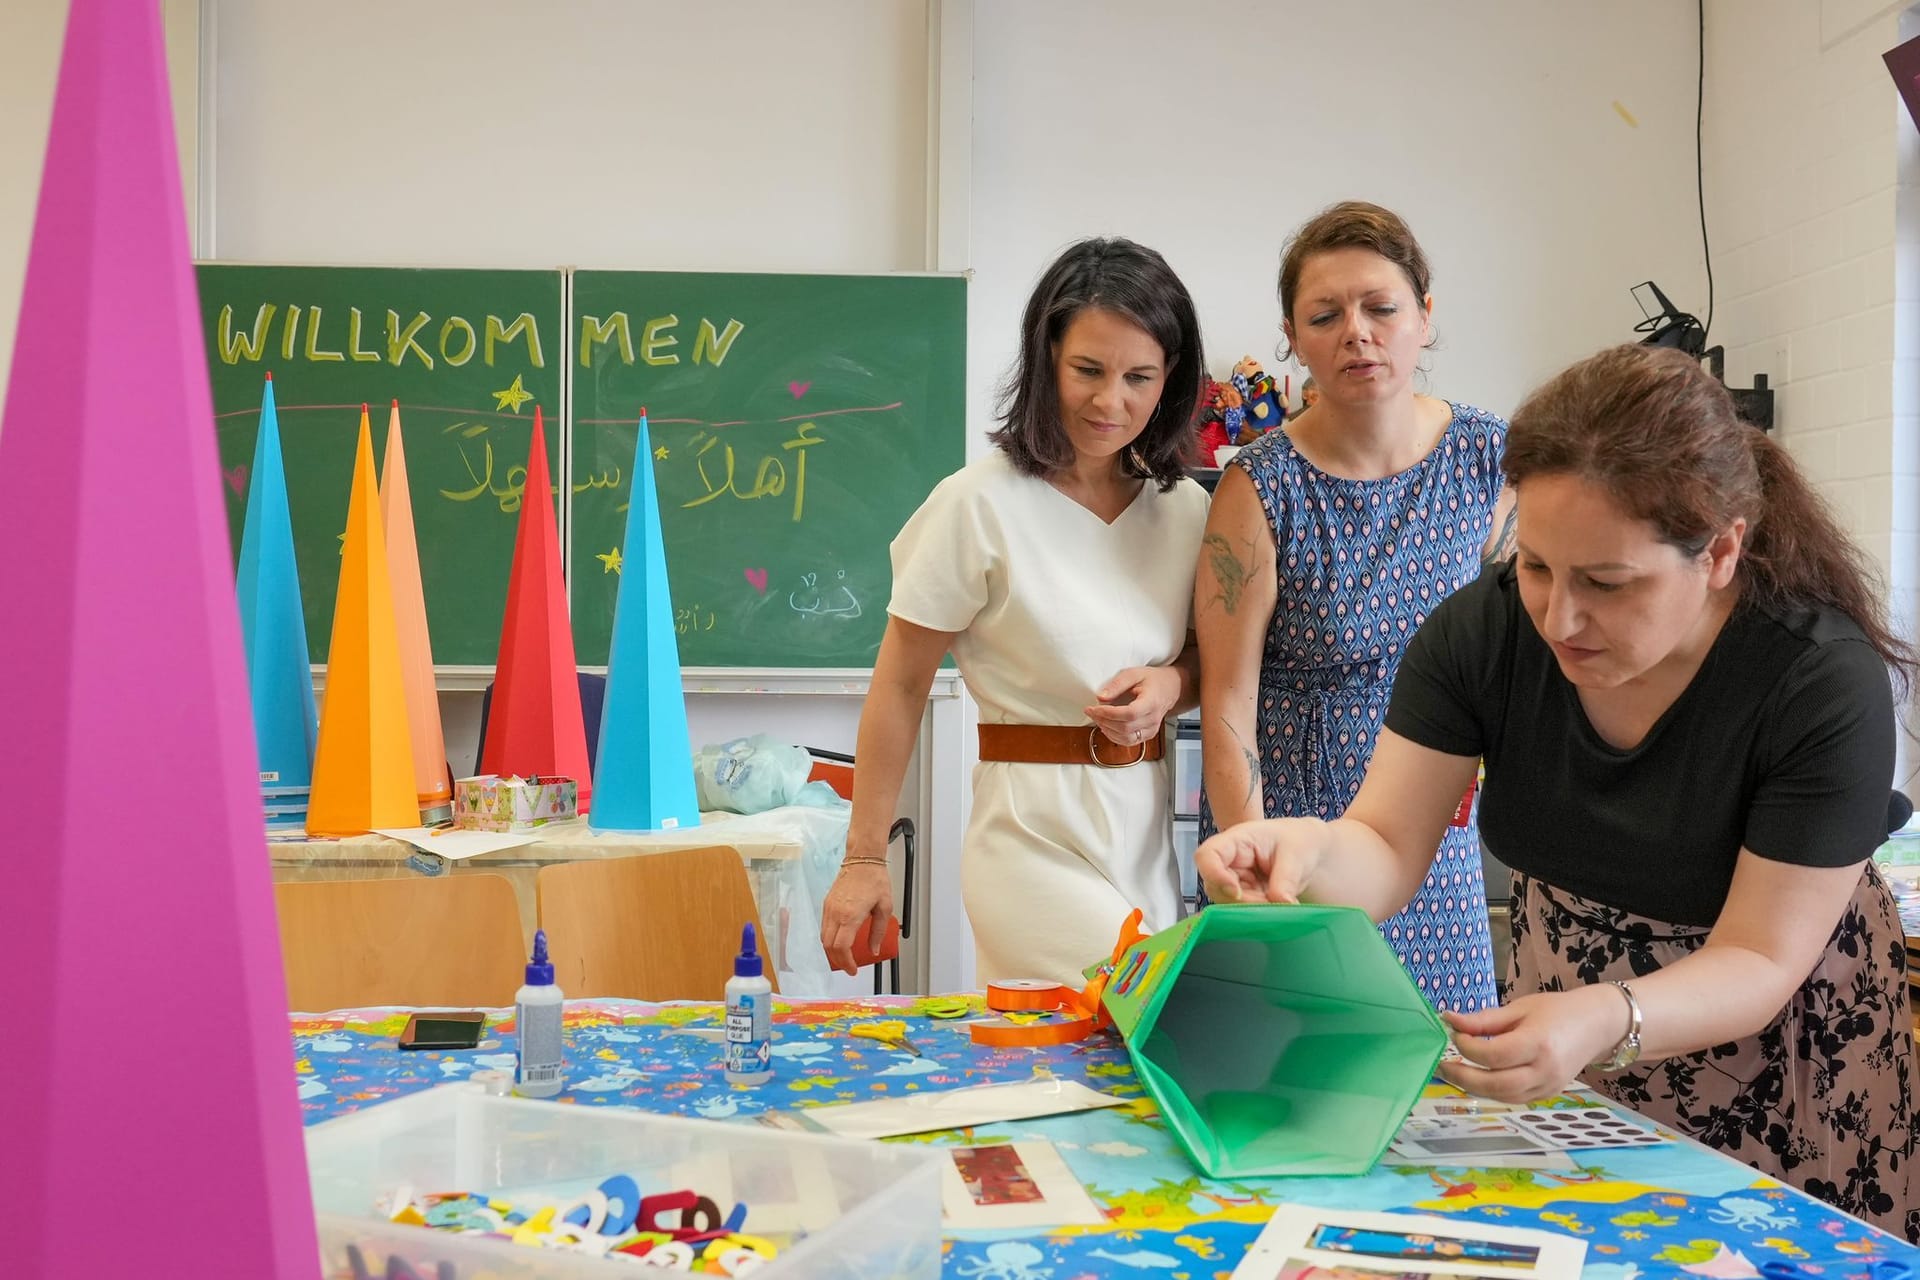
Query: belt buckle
[[1093, 749]]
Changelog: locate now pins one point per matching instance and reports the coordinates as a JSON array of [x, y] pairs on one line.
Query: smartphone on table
[[444, 1029]]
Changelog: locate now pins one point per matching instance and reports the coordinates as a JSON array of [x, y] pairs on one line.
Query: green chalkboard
[[797, 421], [468, 354]]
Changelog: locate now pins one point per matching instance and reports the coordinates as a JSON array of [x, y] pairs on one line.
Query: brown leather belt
[[1064, 744]]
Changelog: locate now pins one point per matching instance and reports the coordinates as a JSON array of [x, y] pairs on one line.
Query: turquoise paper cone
[[643, 780], [274, 628]]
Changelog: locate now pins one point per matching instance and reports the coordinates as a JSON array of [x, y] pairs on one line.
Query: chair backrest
[[448, 940], [834, 774], [659, 926], [593, 700]]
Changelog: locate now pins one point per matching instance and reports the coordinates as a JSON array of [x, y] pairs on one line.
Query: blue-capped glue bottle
[[749, 1016], [539, 1054]]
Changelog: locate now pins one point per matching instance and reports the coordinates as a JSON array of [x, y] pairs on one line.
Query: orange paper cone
[[410, 622], [534, 724], [363, 768]]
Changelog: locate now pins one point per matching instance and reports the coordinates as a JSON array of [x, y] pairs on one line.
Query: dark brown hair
[[1660, 435], [1131, 281], [1353, 224]]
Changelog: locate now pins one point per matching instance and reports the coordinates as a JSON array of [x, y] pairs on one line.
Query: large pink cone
[[147, 1094]]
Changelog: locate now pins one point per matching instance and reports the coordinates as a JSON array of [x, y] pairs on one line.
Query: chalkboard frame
[[464, 644]]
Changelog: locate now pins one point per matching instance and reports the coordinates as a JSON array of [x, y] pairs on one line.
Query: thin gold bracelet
[[862, 862]]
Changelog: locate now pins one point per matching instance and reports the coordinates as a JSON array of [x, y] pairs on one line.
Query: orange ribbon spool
[[1084, 1016], [998, 1033], [1029, 995]]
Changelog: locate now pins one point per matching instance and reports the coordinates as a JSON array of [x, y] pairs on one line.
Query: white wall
[[1210, 129], [30, 39], [757, 135], [1811, 177]]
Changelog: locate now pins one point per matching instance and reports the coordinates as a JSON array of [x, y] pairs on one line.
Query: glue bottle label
[[746, 1054], [541, 1050]]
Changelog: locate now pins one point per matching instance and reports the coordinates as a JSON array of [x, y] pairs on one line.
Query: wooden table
[[377, 857]]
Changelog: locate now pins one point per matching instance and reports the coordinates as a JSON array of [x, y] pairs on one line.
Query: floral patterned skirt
[[1821, 1099]]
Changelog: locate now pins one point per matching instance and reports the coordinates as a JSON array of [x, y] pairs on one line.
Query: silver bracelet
[[1627, 1052]]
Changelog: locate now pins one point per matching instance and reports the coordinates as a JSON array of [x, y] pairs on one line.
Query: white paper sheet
[[454, 844], [1301, 1240], [930, 1110], [1013, 1184]]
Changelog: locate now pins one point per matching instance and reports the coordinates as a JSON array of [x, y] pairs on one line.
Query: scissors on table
[[1875, 1269], [893, 1033]]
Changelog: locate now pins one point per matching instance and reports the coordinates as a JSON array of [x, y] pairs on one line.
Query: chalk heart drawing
[[758, 577], [237, 477], [798, 388]]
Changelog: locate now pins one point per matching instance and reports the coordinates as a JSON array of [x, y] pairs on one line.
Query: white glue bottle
[[749, 1016], [539, 1057]]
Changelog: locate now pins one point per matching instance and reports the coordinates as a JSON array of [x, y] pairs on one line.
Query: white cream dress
[[1050, 602]]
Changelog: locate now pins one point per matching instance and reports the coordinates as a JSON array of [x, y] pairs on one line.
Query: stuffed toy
[[1237, 411], [1212, 432], [1261, 409], [1228, 404]]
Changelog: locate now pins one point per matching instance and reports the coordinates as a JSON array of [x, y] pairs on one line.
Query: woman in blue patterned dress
[[1328, 544]]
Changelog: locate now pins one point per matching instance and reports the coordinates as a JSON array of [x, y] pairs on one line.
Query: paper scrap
[[454, 844], [932, 1110]]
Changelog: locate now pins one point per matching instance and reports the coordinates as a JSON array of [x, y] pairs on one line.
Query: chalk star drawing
[[342, 539], [513, 397], [611, 560], [661, 453]]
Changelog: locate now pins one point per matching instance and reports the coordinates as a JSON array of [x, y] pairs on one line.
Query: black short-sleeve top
[[1783, 744]]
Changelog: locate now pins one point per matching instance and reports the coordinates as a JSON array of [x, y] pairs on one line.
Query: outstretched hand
[[1267, 861], [1535, 1046]]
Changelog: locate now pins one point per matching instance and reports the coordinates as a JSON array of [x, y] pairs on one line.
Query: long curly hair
[[1661, 436]]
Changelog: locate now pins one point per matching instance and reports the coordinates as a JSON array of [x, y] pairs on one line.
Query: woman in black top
[[1680, 691]]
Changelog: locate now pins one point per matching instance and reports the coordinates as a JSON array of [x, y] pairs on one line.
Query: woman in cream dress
[[1058, 570]]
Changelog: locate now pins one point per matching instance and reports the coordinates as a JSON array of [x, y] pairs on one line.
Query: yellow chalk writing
[[522, 323], [235, 347]]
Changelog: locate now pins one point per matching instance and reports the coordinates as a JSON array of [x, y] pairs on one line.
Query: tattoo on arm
[[1253, 761], [1502, 547], [1228, 570]]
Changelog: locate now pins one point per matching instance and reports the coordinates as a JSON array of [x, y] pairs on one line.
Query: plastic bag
[[750, 775], [790, 892]]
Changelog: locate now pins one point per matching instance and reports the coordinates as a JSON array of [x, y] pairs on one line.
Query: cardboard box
[[490, 802]]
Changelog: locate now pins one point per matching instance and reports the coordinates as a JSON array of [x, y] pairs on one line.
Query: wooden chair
[[836, 770], [451, 940], [660, 926]]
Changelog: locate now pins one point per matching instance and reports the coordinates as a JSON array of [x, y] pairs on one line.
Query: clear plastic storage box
[[868, 1209]]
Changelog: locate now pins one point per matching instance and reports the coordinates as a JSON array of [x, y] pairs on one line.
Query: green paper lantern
[[1276, 1039]]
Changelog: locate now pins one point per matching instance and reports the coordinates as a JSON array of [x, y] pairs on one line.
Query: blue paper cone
[[274, 627], [643, 779]]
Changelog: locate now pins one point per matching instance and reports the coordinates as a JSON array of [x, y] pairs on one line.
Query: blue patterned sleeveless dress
[[1361, 565]]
